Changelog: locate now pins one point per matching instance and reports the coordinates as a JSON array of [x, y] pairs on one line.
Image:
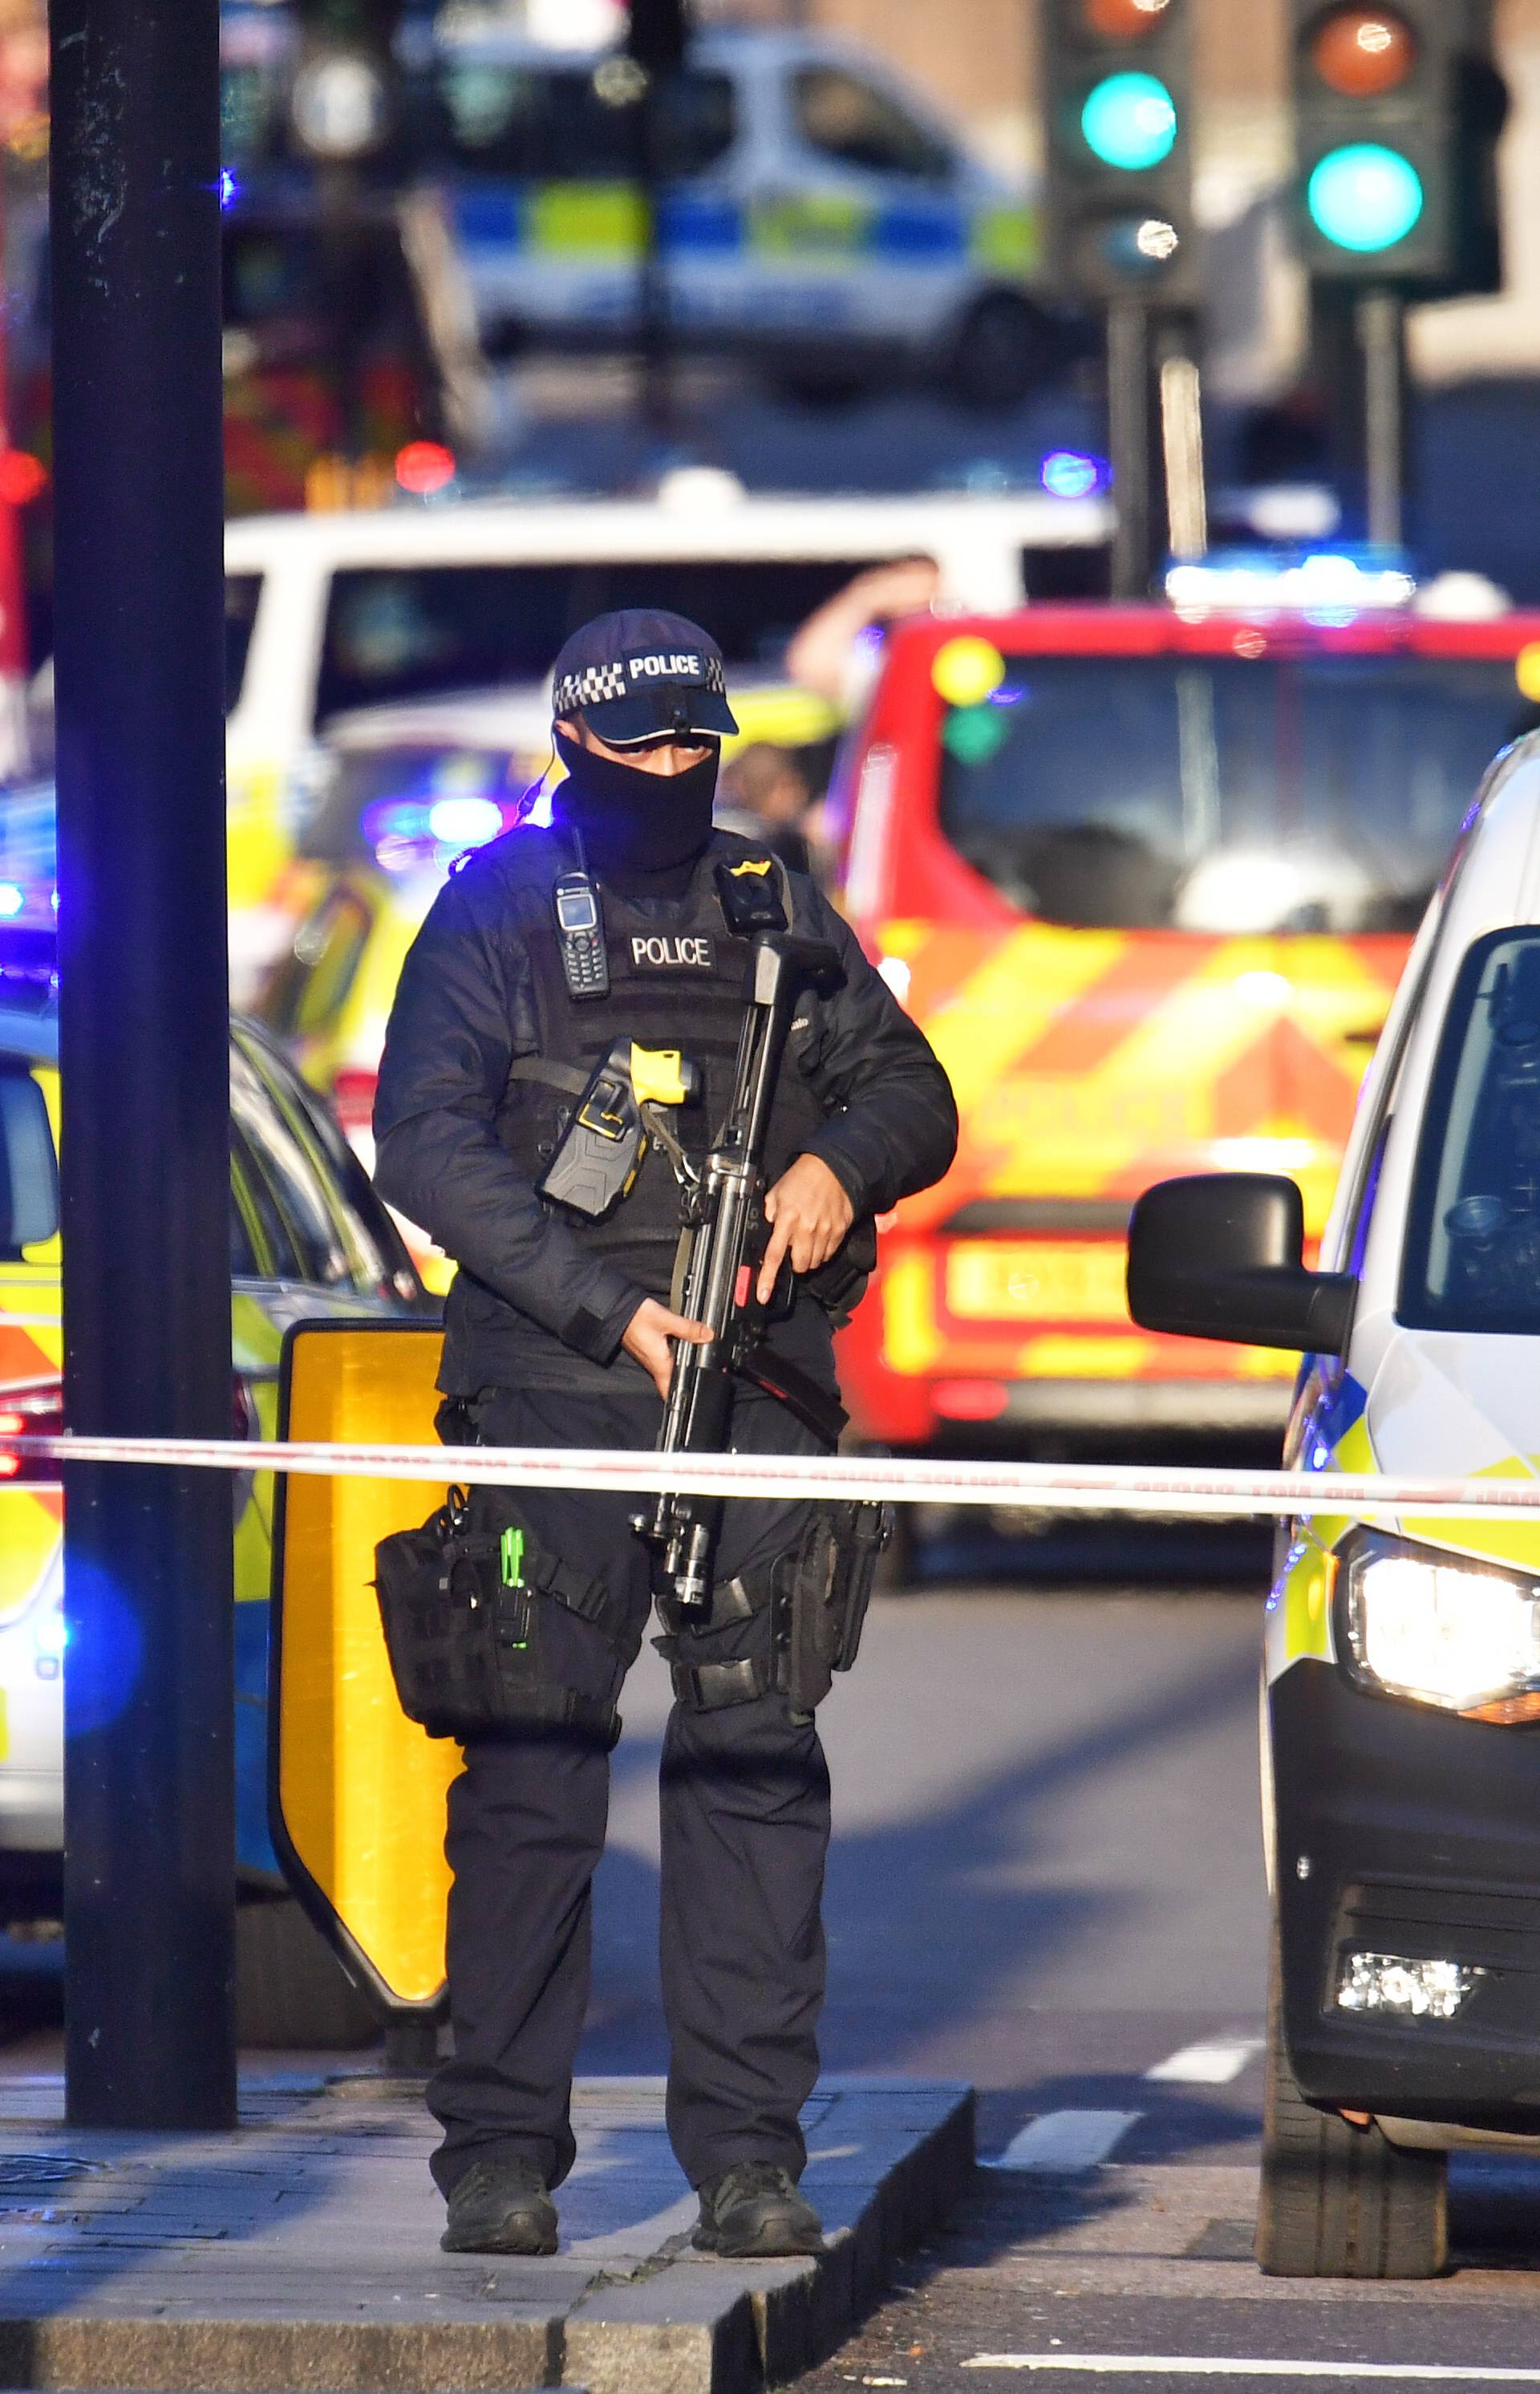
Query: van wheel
[[290, 1988], [1338, 2201]]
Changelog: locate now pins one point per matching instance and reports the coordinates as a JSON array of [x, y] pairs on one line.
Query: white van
[[327, 612], [1401, 1711]]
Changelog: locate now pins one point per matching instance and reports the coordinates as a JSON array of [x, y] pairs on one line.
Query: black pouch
[[486, 1631], [822, 1590]]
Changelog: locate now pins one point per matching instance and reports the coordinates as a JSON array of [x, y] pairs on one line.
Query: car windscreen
[[391, 805], [409, 631], [1472, 1259], [29, 1175], [1222, 794]]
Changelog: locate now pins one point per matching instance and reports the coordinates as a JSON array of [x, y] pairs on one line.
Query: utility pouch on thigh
[[822, 1590], [485, 1630]]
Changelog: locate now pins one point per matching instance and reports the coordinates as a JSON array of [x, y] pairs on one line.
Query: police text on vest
[[673, 949]]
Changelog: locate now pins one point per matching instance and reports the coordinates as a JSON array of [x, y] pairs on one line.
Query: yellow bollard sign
[[356, 1791]]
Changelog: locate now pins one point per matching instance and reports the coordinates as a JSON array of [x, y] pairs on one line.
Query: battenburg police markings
[[673, 949]]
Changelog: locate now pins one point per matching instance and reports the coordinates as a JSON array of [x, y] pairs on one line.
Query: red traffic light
[[1123, 20], [1362, 53]]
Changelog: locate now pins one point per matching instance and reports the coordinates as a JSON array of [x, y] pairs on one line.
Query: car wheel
[[290, 1988], [1005, 349], [1339, 2201]]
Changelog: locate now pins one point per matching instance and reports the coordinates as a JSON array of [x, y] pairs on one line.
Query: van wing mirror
[[1221, 1255]]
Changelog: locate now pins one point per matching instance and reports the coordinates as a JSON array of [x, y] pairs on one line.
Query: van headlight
[[1464, 1635]]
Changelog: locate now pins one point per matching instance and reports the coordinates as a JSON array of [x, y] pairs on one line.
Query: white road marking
[[1213, 2063], [1159, 2364], [1064, 2141]]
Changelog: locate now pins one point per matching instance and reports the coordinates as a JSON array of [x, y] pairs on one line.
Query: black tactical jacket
[[533, 1303]]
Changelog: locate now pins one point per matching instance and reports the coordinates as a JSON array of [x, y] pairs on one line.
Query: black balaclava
[[642, 832]]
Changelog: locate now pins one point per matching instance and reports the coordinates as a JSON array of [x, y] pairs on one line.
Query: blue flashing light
[[465, 821], [395, 819], [1130, 121], [228, 188], [1364, 197], [1067, 474], [12, 899]]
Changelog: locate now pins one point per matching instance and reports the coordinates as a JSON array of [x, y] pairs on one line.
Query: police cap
[[639, 675]]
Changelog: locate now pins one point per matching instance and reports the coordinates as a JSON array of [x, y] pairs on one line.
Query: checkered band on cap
[[590, 687]]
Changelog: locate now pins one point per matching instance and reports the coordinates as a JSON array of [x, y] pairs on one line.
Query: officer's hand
[[647, 1336], [808, 1214]]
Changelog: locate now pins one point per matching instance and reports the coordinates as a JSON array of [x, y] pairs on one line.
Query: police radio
[[580, 935]]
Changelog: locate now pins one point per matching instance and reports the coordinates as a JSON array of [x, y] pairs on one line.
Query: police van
[[815, 210], [1401, 1706]]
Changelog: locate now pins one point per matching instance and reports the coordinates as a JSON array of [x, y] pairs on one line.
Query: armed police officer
[[567, 983]]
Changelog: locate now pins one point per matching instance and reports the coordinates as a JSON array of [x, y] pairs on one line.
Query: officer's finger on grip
[[779, 1240]]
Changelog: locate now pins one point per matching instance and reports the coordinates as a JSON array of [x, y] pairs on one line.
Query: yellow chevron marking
[[1009, 1002]]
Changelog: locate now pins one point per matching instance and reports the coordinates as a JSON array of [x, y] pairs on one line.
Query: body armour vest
[[676, 980]]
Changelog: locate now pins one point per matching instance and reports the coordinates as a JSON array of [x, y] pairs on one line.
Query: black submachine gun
[[725, 1226]]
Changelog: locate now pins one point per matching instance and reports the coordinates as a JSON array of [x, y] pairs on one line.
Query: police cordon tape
[[1044, 1487]]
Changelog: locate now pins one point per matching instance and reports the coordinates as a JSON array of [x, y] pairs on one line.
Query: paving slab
[[302, 2251]]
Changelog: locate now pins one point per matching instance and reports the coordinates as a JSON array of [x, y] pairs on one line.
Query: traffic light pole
[[1382, 345], [149, 1794], [1130, 442]]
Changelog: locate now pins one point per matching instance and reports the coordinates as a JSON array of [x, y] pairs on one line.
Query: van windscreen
[[1222, 794], [409, 631]]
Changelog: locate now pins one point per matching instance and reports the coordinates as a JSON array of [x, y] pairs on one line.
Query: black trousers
[[745, 1817]]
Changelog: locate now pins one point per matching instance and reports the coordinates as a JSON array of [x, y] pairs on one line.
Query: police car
[[309, 1241], [815, 211], [1401, 1711]]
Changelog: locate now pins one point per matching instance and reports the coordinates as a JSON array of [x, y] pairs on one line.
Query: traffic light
[[1117, 213], [1398, 109]]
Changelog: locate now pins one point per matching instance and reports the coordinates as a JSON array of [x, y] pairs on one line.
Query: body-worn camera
[[601, 1149]]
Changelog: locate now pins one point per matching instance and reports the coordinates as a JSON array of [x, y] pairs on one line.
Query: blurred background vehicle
[[309, 1241], [336, 611], [1147, 876], [816, 214]]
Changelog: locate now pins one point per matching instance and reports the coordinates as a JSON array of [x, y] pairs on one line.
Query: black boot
[[753, 2213], [500, 2207]]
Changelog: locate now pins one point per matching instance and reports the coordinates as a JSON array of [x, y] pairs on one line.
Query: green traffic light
[[1130, 121], [1364, 197]]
